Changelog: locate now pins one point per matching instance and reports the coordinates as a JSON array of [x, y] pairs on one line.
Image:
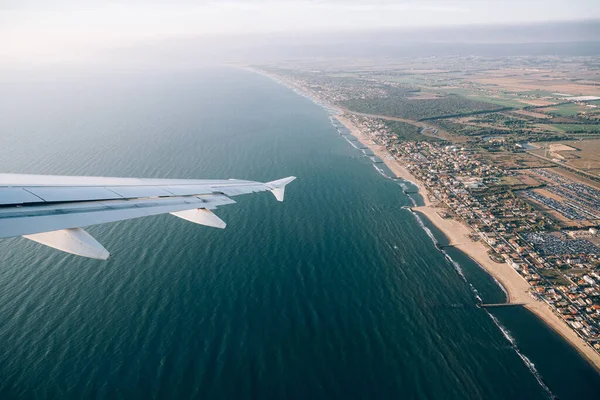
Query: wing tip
[[278, 187]]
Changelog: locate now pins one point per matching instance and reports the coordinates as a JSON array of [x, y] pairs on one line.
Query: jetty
[[484, 305]]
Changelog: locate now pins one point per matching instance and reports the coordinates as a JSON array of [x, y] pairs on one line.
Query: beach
[[459, 236], [338, 292]]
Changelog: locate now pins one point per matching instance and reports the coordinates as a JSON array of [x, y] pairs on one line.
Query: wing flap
[[132, 192], [11, 195], [31, 220], [52, 209], [65, 194]]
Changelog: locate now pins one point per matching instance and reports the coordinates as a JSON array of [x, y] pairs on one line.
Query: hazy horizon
[[35, 31]]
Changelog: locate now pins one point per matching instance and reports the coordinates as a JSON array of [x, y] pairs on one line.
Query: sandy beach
[[458, 234]]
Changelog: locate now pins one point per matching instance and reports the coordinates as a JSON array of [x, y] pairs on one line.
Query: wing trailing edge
[[52, 210]]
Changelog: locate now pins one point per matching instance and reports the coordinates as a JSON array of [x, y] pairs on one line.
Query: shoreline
[[516, 287], [457, 233]]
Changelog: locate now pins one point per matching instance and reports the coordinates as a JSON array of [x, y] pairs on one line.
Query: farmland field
[[565, 110], [594, 128]]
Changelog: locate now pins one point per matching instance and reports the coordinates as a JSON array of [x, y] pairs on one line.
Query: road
[[437, 133]]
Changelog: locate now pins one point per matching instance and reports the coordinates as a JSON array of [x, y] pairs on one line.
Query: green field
[[460, 91], [565, 110], [470, 94], [553, 276], [409, 79], [510, 181], [538, 93], [499, 101], [595, 128]]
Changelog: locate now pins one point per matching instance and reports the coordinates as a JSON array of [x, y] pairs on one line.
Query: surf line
[[505, 332]]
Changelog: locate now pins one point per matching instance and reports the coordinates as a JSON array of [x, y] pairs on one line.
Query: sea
[[337, 293]]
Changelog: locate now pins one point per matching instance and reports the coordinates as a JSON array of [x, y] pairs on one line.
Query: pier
[[483, 305]]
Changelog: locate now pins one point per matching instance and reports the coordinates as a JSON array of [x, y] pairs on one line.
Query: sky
[[54, 28]]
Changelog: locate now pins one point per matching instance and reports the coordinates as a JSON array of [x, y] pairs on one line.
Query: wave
[[507, 297], [505, 332], [337, 124], [367, 153], [411, 182], [405, 189], [381, 171], [423, 226], [452, 262], [352, 143], [530, 365]]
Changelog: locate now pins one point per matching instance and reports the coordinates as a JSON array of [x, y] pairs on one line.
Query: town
[[516, 164], [562, 266]]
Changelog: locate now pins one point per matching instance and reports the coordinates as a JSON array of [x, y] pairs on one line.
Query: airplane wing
[[52, 210]]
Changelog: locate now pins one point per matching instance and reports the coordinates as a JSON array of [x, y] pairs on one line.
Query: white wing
[[52, 209]]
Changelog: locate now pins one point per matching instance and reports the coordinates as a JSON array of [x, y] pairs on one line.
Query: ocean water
[[338, 292]]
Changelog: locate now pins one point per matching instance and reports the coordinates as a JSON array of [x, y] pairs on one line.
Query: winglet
[[278, 187]]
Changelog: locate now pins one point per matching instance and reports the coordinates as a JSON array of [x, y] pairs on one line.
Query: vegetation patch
[[577, 128], [408, 133], [446, 107], [565, 110]]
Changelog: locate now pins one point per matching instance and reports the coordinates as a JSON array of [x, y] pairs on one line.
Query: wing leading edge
[[52, 210]]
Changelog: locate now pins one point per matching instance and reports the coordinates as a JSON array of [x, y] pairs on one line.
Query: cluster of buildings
[[562, 269], [373, 127], [336, 90]]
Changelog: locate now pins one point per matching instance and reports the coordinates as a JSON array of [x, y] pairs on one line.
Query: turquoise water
[[336, 293]]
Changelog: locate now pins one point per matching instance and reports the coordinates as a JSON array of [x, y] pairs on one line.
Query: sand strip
[[458, 235]]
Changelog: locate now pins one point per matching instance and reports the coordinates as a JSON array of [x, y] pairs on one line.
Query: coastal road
[[437, 133]]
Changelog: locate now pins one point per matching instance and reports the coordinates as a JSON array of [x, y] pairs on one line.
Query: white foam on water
[[530, 365], [505, 332], [411, 182], [352, 143], [422, 225], [454, 264], [382, 172], [507, 297]]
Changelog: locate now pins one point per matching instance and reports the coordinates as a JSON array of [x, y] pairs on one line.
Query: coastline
[[458, 235], [517, 288]]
